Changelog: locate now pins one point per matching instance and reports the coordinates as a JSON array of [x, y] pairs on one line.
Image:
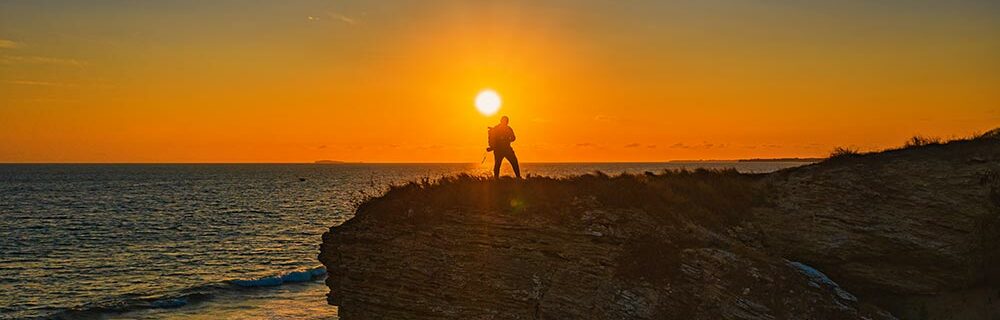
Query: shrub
[[917, 141], [840, 152], [709, 197], [992, 134]]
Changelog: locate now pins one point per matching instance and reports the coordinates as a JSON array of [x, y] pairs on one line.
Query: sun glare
[[488, 102]]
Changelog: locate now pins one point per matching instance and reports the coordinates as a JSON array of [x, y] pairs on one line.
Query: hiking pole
[[484, 157]]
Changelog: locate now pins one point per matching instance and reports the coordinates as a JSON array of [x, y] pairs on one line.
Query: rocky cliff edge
[[910, 233]]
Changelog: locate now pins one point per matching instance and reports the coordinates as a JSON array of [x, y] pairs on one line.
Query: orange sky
[[394, 81]]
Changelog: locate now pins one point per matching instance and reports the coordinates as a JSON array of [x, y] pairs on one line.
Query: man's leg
[[512, 158], [497, 161]]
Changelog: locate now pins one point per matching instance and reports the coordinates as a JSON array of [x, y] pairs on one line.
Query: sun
[[488, 102]]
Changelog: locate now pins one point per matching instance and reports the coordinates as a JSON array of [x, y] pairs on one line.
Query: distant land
[[328, 162], [700, 160], [782, 160], [758, 160]]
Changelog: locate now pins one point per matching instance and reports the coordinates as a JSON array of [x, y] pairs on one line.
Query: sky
[[394, 81]]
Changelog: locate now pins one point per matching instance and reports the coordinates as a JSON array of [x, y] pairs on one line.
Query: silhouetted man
[[500, 138]]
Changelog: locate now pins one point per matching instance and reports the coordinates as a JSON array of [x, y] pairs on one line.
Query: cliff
[[910, 233], [913, 230]]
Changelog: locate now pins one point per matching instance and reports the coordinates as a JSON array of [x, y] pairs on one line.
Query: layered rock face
[[915, 230], [909, 231]]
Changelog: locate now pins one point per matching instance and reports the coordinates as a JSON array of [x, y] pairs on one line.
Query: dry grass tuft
[[713, 197]]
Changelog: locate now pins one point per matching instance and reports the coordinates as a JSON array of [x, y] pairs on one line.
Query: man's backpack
[[491, 138]]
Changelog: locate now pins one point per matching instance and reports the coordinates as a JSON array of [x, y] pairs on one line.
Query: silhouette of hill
[[909, 233]]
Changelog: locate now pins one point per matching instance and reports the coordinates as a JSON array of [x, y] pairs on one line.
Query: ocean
[[199, 241]]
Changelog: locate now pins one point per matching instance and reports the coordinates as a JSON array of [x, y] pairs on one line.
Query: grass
[[689, 209], [992, 179], [919, 141], [989, 227], [844, 152], [713, 197], [916, 141], [676, 204]]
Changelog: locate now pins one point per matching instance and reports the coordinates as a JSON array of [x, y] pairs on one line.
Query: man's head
[[504, 120]]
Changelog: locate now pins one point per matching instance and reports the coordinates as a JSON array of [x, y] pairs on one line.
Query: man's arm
[[512, 137]]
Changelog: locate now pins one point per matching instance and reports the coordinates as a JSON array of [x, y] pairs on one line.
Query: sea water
[[198, 241]]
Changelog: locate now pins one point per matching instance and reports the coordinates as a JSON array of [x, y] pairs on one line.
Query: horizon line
[[793, 159]]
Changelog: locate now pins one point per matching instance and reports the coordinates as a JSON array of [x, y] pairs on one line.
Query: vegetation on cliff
[[912, 231]]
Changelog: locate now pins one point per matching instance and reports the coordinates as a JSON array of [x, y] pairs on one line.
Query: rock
[[461, 250], [912, 233], [910, 230]]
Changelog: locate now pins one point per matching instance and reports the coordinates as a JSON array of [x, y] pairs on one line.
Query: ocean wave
[[184, 297], [293, 277]]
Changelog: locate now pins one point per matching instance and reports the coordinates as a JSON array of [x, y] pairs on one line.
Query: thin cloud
[[50, 100], [616, 120], [334, 16], [584, 145], [40, 61], [777, 146], [633, 145], [8, 44], [343, 18], [39, 83], [703, 145], [605, 118]]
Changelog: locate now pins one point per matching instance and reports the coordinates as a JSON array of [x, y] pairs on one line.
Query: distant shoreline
[[782, 160], [759, 160], [404, 163], [328, 162]]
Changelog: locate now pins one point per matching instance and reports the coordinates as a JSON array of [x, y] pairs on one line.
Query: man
[[500, 138]]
